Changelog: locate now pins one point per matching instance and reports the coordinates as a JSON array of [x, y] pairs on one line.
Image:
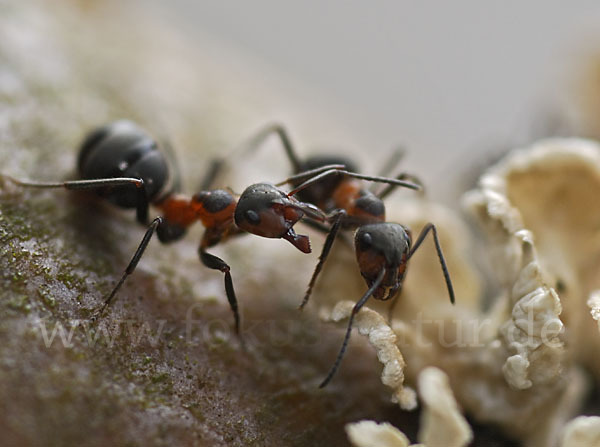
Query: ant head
[[379, 246], [266, 211]]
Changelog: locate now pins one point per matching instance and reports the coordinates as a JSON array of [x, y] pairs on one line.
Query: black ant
[[125, 166], [383, 249]]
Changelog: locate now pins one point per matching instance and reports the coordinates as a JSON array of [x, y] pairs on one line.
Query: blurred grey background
[[453, 81]]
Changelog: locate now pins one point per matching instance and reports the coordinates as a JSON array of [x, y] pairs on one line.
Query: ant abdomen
[[122, 149]]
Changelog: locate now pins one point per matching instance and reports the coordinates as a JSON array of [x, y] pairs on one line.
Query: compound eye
[[365, 240], [252, 217]]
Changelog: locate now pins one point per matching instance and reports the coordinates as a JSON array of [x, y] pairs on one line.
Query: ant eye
[[252, 217], [366, 240]]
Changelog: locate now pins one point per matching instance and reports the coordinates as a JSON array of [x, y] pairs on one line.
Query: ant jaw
[[300, 241]]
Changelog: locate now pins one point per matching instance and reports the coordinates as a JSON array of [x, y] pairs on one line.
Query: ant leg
[[355, 310], [316, 178], [217, 164], [393, 160], [175, 170], [132, 264], [431, 227], [324, 253], [211, 174], [215, 263], [286, 143], [74, 185], [402, 176], [390, 164]]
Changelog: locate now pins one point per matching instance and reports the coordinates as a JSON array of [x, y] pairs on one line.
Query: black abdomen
[[122, 149]]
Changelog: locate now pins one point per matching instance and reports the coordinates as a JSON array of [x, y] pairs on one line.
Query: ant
[[382, 248], [123, 164]]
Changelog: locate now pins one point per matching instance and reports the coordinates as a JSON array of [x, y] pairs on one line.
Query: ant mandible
[[382, 249], [123, 164]]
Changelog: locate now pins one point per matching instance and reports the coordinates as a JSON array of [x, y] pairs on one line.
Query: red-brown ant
[[383, 249], [124, 165]]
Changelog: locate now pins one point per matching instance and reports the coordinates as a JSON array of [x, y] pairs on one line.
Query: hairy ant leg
[[286, 142], [355, 310], [216, 263], [132, 265], [218, 163], [210, 176], [392, 161], [389, 165]]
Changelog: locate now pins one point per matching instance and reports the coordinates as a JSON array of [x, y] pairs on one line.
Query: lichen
[[513, 359], [372, 434], [383, 339], [583, 431], [441, 422]]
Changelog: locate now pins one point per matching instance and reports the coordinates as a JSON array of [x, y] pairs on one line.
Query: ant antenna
[[317, 178], [142, 202], [312, 173], [355, 310], [284, 137]]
